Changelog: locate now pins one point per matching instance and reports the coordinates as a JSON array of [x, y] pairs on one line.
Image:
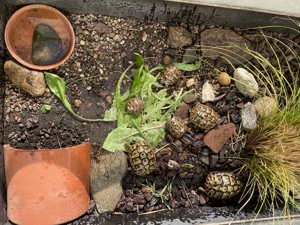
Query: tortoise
[[169, 75], [176, 126], [134, 106], [204, 117], [222, 185], [141, 157]]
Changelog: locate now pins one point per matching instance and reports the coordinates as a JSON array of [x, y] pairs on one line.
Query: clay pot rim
[[17, 14]]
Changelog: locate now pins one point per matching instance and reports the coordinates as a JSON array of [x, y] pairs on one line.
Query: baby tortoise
[[141, 157], [204, 117], [176, 126], [134, 106], [222, 185], [169, 75]]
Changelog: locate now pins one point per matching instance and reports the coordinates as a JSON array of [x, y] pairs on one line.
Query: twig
[[242, 206], [184, 189], [146, 213]]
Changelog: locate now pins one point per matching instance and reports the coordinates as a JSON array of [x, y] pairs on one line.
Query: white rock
[[245, 82], [265, 106], [249, 117], [207, 92], [190, 82]]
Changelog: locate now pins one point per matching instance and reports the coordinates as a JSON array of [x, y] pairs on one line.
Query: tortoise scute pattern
[[176, 127], [142, 158], [134, 105], [222, 185], [170, 75], [204, 117]]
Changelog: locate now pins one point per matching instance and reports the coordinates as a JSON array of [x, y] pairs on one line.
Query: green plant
[[159, 106], [162, 195], [58, 86], [271, 153]]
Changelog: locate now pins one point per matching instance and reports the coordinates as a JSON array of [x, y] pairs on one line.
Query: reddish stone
[[182, 111], [215, 139]]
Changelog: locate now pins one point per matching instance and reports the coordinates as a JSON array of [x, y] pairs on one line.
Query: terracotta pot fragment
[[47, 186]]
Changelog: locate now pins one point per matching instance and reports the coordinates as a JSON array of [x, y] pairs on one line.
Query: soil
[[105, 46]]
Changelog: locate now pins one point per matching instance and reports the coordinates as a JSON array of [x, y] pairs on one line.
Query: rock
[[173, 165], [204, 156], [213, 159], [30, 81], [245, 82], [182, 111], [190, 55], [178, 37], [106, 180], [166, 60], [216, 139], [217, 37], [46, 45], [190, 98], [190, 82], [249, 117], [102, 28], [224, 79], [265, 106], [207, 92]]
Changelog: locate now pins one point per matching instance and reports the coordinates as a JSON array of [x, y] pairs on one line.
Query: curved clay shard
[[46, 45], [31, 81]]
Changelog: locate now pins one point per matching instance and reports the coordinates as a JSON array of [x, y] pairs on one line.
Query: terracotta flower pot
[[47, 186], [20, 28]]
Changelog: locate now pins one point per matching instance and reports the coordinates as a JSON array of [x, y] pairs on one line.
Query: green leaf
[[111, 114], [118, 137], [45, 108], [150, 124], [139, 61], [187, 67], [58, 86]]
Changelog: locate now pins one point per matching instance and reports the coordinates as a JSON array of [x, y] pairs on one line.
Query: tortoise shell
[[176, 126], [204, 117], [141, 157], [169, 75], [222, 185], [134, 106]]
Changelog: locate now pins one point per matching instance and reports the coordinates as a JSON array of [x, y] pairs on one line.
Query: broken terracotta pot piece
[[47, 186]]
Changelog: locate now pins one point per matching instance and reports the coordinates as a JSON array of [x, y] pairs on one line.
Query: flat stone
[[245, 82], [30, 81], [190, 55], [204, 156], [182, 111], [249, 117], [217, 37], [207, 92], [46, 45], [216, 139], [106, 180], [178, 37], [190, 98]]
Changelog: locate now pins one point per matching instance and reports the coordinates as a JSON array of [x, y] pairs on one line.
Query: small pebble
[[167, 59], [77, 103], [190, 82], [224, 79]]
